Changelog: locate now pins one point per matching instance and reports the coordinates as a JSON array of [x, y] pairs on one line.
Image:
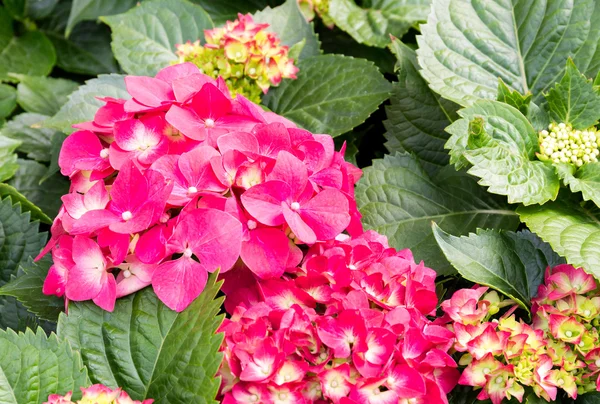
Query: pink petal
[[148, 90], [272, 139], [326, 214], [263, 201], [108, 294], [211, 103], [238, 141], [186, 87], [187, 122], [196, 169], [177, 283], [84, 283], [55, 281], [179, 71], [93, 220], [300, 229], [80, 151], [406, 382], [289, 169], [150, 247], [266, 252]]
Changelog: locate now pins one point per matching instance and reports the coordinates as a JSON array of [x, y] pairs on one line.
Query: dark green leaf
[[8, 100], [55, 146], [589, 398], [43, 95], [35, 139], [15, 316], [514, 98], [417, 116], [26, 205], [373, 26], [144, 38], [82, 10], [82, 104], [332, 94], [398, 199], [291, 27], [148, 349], [221, 11], [8, 157], [33, 9], [34, 366]]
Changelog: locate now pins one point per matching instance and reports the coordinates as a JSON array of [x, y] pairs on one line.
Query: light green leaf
[[290, 26], [82, 10], [27, 285], [28, 180], [466, 46], [43, 95], [332, 94], [417, 117], [585, 179], [33, 366], [574, 100], [573, 231], [221, 11], [7, 190], [8, 100], [501, 145], [8, 158], [513, 98], [31, 54], [512, 263], [82, 104], [399, 200], [152, 351], [15, 316], [28, 129], [144, 38], [374, 25], [19, 238]]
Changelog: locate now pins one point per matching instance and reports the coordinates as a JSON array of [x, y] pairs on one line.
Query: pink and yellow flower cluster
[[180, 180], [348, 325], [244, 53], [97, 394], [560, 350]]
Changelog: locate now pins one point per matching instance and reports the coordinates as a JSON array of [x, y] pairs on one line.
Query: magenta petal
[[263, 201], [186, 87], [84, 283], [196, 169], [80, 151], [326, 213], [179, 71], [177, 283], [266, 252], [150, 248], [272, 139], [238, 141], [108, 294], [93, 220], [211, 103], [289, 169], [148, 90], [187, 122]]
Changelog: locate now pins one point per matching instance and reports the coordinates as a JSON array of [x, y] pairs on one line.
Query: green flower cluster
[[563, 144]]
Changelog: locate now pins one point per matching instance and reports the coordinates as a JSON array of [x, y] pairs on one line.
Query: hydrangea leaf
[[291, 27], [144, 38], [8, 100], [400, 200], [466, 46], [332, 94], [33, 366], [31, 54], [417, 117], [16, 317], [26, 287], [500, 145], [512, 263], [26, 205], [513, 98], [19, 238], [574, 100], [82, 104], [572, 230], [592, 397], [8, 157], [82, 10], [43, 95], [221, 11], [373, 26], [29, 181], [137, 345], [585, 179], [33, 9], [27, 129]]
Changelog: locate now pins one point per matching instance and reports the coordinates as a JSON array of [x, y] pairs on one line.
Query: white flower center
[[187, 252], [352, 267], [569, 334], [334, 384], [126, 273], [209, 123], [252, 70], [597, 363], [486, 371], [376, 391], [127, 215], [254, 398], [104, 153], [295, 206], [587, 313], [238, 54], [499, 380], [252, 224], [192, 190], [560, 382]]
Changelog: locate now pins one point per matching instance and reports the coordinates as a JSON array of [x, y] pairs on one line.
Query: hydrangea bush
[[299, 201]]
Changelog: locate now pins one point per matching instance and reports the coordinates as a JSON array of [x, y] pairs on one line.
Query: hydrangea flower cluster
[[562, 144], [182, 179], [97, 394], [559, 350], [319, 7], [244, 53], [349, 325]]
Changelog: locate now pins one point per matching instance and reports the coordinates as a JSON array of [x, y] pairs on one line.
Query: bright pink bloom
[[83, 151]]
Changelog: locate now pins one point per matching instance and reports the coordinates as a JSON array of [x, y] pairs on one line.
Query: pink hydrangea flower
[[97, 394]]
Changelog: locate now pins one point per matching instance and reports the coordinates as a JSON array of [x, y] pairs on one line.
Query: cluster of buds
[[244, 53], [349, 325], [563, 144], [560, 350], [181, 180], [310, 8], [97, 394]]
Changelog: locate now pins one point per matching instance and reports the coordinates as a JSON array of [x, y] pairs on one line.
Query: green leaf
[[15, 316], [8, 100], [148, 349], [8, 158], [28, 180], [82, 10], [33, 366], [514, 98], [574, 100], [31, 54], [573, 231], [144, 38], [221, 11], [26, 205], [399, 200], [511, 263], [332, 94], [27, 129], [373, 26], [27, 285], [55, 146], [291, 27], [417, 117], [465, 46], [19, 239], [43, 95], [501, 145], [585, 179], [33, 9], [82, 104], [589, 398]]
